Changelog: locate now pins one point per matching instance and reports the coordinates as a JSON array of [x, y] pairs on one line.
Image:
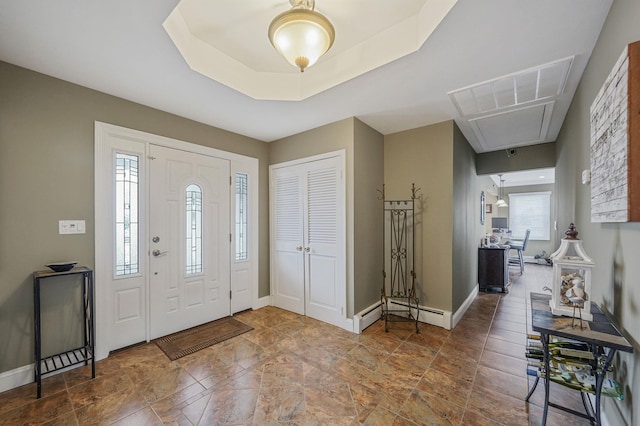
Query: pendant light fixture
[[301, 34], [501, 202]]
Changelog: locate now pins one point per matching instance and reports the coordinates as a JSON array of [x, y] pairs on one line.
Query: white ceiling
[[120, 47], [526, 177], [233, 49]]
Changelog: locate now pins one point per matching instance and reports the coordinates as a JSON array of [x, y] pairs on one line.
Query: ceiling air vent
[[537, 84]]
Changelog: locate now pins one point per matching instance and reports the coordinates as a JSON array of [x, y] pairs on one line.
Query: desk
[[600, 335]]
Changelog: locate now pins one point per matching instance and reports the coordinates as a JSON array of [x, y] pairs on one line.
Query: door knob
[[307, 249], [299, 248], [157, 252]]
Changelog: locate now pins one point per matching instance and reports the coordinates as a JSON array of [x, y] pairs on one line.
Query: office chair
[[520, 246]]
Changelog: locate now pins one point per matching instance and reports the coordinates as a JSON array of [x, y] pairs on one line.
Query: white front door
[[189, 240]]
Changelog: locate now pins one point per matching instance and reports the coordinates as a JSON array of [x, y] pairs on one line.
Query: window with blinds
[[530, 210]]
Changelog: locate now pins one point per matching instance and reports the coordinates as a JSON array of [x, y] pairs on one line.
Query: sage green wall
[[467, 229], [332, 137], [615, 248], [527, 158], [369, 178], [46, 174], [424, 156]]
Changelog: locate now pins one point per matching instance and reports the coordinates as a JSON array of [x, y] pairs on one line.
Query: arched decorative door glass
[[193, 221]]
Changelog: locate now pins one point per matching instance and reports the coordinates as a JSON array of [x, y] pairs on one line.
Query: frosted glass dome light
[[301, 34]]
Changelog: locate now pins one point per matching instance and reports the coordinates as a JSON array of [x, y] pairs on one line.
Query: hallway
[[297, 371]]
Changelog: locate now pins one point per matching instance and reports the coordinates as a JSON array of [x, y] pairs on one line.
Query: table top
[[50, 273], [600, 331]]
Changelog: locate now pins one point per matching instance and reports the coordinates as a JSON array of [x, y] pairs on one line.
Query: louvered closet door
[[308, 259], [324, 274], [287, 291]]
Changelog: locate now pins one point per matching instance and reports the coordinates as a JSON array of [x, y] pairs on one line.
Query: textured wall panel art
[[615, 142]]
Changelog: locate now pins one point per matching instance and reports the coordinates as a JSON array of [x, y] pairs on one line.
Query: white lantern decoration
[[572, 267]]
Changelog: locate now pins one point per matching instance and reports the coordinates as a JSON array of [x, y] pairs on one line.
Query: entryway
[[175, 238]]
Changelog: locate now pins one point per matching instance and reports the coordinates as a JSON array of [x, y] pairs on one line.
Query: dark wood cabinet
[[493, 268]]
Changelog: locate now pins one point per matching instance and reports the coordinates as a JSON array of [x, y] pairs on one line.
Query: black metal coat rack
[[398, 296]]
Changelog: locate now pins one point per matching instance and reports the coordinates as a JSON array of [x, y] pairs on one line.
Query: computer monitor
[[499, 223]]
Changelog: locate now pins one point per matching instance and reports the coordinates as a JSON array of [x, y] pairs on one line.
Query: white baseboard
[[24, 375], [463, 308], [262, 302], [347, 324], [366, 317], [16, 377], [427, 315]]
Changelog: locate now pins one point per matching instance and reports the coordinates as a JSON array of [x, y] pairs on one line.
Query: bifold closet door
[[287, 258], [308, 230]]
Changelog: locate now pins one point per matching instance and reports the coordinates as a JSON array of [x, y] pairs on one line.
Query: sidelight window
[[242, 216], [126, 214]]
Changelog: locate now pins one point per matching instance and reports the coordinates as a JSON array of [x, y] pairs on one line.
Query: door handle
[[299, 248], [307, 249], [157, 252]]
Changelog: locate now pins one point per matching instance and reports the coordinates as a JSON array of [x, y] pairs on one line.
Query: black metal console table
[[600, 335], [80, 355]]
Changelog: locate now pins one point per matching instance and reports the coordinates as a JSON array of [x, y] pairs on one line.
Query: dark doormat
[[193, 339]]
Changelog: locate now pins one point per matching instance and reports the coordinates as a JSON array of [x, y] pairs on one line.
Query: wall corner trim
[[457, 316]]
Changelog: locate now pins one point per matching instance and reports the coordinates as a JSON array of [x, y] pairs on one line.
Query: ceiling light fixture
[[501, 202], [301, 34]]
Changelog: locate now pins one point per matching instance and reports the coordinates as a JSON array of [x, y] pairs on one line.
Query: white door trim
[[104, 134]]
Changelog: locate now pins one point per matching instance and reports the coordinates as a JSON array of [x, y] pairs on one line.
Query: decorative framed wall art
[[615, 142]]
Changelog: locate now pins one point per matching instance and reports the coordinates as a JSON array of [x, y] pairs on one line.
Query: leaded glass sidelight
[[126, 214], [241, 216], [193, 220]]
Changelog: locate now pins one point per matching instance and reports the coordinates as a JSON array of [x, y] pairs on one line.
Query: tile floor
[[297, 371]]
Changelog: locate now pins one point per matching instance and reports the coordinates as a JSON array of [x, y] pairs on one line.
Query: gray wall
[[526, 158], [467, 229], [368, 178], [614, 247], [46, 174], [424, 156], [332, 137]]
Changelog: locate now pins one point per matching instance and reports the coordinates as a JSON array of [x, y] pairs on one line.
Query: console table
[[600, 335], [81, 355]]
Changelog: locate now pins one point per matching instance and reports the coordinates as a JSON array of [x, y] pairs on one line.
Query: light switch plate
[[71, 227]]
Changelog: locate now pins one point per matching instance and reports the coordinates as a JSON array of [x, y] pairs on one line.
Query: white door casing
[[308, 237], [177, 299], [121, 319]]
